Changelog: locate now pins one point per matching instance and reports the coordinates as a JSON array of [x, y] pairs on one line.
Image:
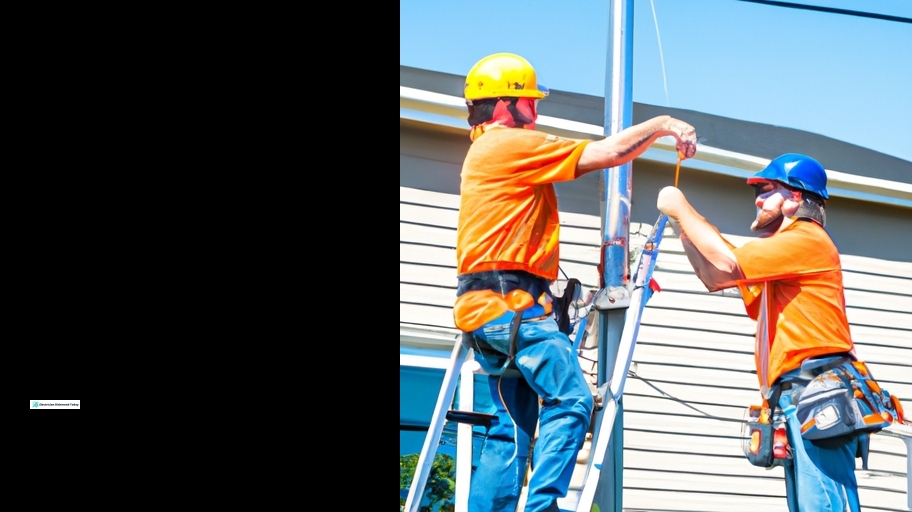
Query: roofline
[[449, 112]]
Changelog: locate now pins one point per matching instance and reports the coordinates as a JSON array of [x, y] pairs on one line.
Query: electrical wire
[[832, 10]]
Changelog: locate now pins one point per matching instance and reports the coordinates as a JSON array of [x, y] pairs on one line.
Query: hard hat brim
[[538, 94]]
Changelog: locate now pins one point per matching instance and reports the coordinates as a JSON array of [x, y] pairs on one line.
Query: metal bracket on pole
[[612, 297]]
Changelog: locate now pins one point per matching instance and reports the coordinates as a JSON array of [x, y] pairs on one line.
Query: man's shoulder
[[807, 237]]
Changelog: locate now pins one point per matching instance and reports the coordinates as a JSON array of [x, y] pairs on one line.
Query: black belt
[[785, 386], [503, 282]]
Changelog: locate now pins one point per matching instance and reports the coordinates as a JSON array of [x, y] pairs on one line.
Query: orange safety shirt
[[807, 316], [508, 217]]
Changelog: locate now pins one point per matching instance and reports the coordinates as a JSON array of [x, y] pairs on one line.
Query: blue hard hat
[[796, 171]]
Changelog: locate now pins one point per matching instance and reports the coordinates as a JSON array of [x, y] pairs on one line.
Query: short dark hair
[[812, 197]]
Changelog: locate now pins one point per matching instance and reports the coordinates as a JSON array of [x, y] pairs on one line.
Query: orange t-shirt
[[807, 315], [508, 216]]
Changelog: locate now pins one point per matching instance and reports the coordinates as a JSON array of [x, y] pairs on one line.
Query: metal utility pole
[[616, 186]]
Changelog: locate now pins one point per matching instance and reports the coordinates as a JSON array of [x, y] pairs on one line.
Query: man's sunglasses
[[764, 187]]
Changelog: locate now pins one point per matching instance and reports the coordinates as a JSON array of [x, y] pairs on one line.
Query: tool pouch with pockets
[[758, 435], [843, 400], [759, 444], [843, 403]]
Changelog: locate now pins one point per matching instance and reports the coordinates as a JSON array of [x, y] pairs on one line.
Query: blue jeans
[[548, 369], [817, 479]]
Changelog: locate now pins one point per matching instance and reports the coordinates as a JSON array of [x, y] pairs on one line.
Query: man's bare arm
[[707, 271], [631, 142], [710, 255]]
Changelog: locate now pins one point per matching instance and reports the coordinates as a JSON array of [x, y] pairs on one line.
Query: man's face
[[770, 196]]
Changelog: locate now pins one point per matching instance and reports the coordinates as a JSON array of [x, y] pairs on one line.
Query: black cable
[[832, 10]]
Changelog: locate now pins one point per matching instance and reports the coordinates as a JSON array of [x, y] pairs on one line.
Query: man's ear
[[791, 203]]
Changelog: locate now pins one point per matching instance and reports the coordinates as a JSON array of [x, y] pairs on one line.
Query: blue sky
[[842, 76]]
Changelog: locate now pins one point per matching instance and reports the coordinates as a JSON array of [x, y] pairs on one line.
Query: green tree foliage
[[441, 483]]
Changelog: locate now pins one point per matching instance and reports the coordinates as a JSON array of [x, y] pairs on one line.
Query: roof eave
[[445, 112]]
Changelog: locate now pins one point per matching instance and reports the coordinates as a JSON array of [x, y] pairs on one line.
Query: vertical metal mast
[[617, 184]]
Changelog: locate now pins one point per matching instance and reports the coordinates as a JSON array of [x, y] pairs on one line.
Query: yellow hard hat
[[503, 75]]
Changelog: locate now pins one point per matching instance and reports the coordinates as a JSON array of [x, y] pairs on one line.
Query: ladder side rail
[[432, 440], [580, 331], [597, 456], [465, 435], [637, 303], [614, 388]]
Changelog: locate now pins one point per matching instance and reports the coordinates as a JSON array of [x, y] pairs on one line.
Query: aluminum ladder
[[610, 392]]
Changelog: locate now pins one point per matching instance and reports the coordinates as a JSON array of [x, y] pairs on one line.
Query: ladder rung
[[478, 419]]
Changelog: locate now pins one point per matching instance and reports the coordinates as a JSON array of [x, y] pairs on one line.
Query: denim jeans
[[549, 370], [817, 479]]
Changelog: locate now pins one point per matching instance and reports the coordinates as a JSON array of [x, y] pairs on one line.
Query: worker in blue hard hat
[[790, 280]]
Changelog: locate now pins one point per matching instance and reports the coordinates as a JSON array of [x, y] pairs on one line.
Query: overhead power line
[[833, 10]]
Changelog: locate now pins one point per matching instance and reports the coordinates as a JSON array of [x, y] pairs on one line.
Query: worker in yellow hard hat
[[504, 87], [507, 257]]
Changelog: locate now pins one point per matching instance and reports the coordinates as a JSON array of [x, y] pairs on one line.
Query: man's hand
[[671, 202], [685, 134], [631, 142]]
